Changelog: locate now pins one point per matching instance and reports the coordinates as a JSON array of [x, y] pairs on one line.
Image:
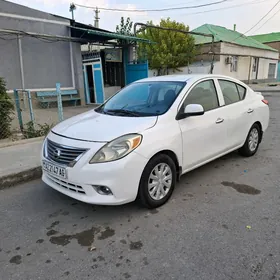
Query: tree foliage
[[125, 28], [6, 111], [171, 49]]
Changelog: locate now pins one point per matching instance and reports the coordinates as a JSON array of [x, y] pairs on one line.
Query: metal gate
[[278, 72], [136, 71]]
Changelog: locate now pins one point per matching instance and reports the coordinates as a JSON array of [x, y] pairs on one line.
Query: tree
[[170, 49], [6, 111], [124, 28]]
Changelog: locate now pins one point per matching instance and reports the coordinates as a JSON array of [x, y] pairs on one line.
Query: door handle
[[250, 111], [219, 120]]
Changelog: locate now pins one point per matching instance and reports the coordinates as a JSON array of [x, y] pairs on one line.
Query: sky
[[244, 16]]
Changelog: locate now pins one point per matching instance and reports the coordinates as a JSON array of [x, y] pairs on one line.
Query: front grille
[[66, 185], [62, 154]]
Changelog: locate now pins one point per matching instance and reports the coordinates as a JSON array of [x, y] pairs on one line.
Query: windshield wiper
[[124, 112]]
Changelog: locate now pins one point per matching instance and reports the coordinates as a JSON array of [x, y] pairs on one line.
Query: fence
[[26, 114]]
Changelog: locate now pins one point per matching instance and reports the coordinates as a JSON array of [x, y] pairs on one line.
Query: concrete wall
[[244, 62], [110, 91], [43, 64]]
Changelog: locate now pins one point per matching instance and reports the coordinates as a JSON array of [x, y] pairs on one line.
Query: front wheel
[[157, 182], [252, 142]]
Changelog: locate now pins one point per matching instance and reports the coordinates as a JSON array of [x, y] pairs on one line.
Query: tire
[[250, 148], [161, 163]]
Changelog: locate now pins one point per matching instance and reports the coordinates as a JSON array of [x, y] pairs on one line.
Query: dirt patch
[[242, 188], [53, 224], [108, 232], [52, 232], [16, 259], [84, 238], [136, 245]]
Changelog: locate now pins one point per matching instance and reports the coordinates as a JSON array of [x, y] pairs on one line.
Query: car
[[138, 143]]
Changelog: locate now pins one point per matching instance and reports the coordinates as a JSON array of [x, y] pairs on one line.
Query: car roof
[[184, 78]]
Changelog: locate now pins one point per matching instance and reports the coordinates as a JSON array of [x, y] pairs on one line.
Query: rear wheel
[[252, 142], [157, 182]]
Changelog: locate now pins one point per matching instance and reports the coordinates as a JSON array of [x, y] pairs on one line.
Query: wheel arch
[[261, 129], [174, 157]]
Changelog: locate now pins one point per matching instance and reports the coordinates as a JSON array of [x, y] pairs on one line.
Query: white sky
[[244, 16]]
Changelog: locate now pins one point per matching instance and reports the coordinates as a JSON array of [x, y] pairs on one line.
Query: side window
[[204, 94], [230, 92], [242, 91]]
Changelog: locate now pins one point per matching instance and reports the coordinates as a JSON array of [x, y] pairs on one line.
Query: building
[[39, 49], [272, 40], [235, 55]]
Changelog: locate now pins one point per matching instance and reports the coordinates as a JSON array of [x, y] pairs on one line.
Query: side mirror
[[191, 110]]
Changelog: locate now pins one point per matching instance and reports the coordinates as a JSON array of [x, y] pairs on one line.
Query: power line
[[225, 8], [268, 20], [242, 34], [262, 18], [155, 10]]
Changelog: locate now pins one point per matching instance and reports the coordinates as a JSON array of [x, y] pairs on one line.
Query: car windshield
[[143, 99]]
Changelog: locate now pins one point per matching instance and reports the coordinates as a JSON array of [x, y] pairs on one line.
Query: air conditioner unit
[[228, 60]]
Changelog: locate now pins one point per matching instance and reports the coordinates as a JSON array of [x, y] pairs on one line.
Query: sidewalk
[[20, 162], [265, 88]]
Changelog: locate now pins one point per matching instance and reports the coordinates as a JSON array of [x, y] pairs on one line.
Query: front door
[[203, 137], [93, 81]]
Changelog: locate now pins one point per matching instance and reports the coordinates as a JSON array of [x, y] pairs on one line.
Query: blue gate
[[134, 72], [278, 72]]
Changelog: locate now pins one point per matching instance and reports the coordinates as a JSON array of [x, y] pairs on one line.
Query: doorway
[[93, 81], [90, 83]]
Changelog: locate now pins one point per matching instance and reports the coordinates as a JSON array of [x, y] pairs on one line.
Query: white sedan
[[139, 142]]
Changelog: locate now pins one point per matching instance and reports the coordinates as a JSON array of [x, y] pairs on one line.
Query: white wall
[[195, 68], [244, 62], [220, 67], [109, 91]]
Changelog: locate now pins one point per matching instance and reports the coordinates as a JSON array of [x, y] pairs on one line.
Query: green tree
[[170, 50], [6, 111], [124, 28]]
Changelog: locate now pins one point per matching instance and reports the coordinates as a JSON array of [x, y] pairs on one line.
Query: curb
[[21, 177], [22, 142]]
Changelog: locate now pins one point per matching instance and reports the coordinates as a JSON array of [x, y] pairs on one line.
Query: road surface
[[221, 223]]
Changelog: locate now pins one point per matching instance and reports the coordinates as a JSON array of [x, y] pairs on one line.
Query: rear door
[[203, 137], [238, 112]]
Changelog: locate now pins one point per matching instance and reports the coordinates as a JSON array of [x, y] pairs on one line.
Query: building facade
[[36, 51], [272, 40], [236, 55]]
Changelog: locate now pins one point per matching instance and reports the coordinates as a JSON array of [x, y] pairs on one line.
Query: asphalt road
[[221, 223]]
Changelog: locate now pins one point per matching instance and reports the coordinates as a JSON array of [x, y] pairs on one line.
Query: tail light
[[265, 102]]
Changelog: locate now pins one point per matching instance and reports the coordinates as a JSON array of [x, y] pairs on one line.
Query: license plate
[[54, 169]]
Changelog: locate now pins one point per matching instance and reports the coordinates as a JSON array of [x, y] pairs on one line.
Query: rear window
[[241, 91]]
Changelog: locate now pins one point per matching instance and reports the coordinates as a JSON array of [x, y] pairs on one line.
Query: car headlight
[[117, 149]]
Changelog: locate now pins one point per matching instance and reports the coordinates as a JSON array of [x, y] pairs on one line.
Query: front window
[[143, 99], [204, 94]]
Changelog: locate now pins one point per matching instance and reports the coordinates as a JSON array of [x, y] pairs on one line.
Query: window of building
[[233, 66], [204, 94], [230, 92]]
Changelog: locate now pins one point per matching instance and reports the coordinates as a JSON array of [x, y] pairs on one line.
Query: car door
[[203, 137], [238, 112]]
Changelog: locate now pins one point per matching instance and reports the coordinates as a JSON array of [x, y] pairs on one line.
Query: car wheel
[[252, 142], [157, 181]]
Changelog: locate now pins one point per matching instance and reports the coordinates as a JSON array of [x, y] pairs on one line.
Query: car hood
[[96, 127]]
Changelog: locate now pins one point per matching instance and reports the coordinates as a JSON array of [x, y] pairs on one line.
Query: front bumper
[[121, 176]]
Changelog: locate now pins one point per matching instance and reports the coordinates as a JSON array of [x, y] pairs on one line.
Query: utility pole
[[96, 18], [72, 8]]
